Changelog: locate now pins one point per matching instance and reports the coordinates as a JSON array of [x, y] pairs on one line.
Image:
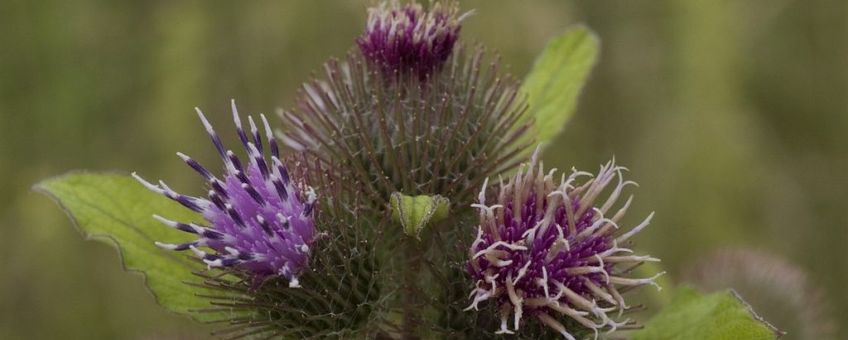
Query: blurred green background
[[732, 115]]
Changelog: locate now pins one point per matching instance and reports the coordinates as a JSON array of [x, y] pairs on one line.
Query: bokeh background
[[732, 115]]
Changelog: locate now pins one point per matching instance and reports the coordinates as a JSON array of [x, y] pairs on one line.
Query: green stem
[[412, 298]]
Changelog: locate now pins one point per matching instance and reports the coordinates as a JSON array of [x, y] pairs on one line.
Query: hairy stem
[[412, 297]]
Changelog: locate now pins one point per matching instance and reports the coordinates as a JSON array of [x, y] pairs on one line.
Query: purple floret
[[259, 220], [406, 38], [548, 251]]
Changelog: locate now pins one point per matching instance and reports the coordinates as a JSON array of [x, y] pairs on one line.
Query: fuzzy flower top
[[406, 38], [259, 220], [553, 253]]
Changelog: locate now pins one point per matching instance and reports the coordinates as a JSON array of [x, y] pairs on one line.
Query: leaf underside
[[117, 210]]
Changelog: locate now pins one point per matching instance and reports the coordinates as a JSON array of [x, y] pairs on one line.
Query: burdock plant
[[261, 227], [371, 212], [553, 252], [258, 217]]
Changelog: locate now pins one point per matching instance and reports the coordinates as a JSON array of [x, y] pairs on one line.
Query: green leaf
[[416, 212], [118, 210], [717, 316], [555, 81]]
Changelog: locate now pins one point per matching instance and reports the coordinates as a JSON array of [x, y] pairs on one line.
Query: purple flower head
[[259, 219], [406, 38], [552, 252]]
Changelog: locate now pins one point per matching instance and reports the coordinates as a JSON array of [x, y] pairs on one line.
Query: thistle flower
[[387, 134], [549, 252], [260, 220], [342, 287], [408, 39]]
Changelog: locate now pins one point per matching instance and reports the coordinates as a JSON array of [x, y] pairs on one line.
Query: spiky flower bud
[[342, 287], [442, 137], [260, 220], [551, 252], [407, 38]]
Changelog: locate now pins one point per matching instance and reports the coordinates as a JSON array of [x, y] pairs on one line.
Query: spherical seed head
[[553, 253], [407, 38], [260, 220]]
